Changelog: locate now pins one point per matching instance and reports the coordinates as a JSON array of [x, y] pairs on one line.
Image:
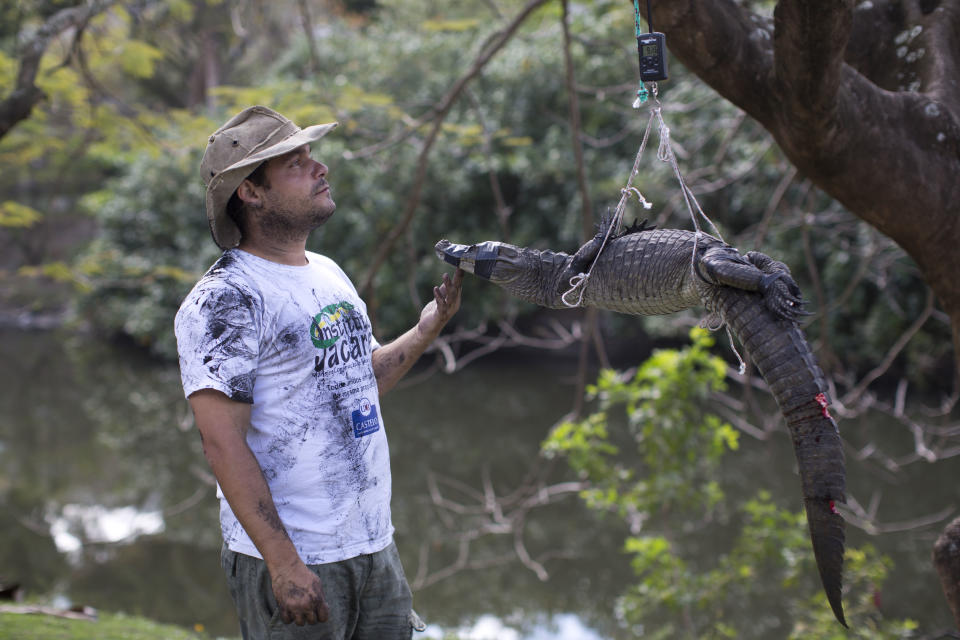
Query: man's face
[[296, 197]]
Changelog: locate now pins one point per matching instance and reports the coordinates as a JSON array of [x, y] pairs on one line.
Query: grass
[[107, 626]]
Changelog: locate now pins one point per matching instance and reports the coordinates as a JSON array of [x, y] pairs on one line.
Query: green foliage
[[14, 214], [153, 246], [57, 272], [670, 488], [679, 598], [864, 571], [678, 444], [158, 76]]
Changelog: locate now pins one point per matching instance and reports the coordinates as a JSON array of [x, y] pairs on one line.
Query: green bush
[[662, 476]]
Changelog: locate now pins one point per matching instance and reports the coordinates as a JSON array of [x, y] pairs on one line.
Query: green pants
[[368, 597]]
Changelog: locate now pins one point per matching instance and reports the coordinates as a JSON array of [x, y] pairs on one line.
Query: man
[[284, 375]]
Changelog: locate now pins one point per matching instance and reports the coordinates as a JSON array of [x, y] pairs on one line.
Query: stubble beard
[[283, 223]]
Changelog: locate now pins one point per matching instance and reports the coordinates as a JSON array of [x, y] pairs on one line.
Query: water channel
[[107, 501]]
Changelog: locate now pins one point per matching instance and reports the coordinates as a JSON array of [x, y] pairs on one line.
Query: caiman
[[644, 271]]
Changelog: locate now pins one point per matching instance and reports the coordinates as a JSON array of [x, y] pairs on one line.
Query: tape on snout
[[487, 254], [452, 253], [484, 261]]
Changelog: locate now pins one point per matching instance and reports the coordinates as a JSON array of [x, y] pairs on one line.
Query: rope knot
[[575, 283], [626, 191]]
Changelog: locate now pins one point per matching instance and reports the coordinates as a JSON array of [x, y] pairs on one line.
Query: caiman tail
[[780, 352]]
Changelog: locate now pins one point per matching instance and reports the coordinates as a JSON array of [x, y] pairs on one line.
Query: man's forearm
[[223, 425], [392, 361], [246, 490]]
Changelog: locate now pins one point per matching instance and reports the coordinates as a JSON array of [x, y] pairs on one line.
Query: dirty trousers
[[368, 597]]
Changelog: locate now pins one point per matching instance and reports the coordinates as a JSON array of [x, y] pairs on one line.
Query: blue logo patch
[[365, 419]]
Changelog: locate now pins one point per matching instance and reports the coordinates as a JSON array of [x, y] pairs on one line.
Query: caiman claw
[[782, 296]]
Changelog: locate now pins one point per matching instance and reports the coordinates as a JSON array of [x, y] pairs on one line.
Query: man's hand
[[299, 595], [392, 361], [445, 303]]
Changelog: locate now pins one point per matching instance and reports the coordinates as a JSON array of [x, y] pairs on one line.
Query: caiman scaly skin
[[655, 272]]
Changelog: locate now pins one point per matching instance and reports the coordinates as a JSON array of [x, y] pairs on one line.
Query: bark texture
[[863, 97], [946, 558]]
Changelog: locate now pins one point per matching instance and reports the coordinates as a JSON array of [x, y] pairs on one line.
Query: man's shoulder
[[319, 259], [226, 278], [328, 265]]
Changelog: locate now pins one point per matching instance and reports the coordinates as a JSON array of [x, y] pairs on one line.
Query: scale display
[[653, 56]]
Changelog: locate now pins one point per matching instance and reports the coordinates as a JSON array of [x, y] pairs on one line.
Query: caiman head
[[528, 274]]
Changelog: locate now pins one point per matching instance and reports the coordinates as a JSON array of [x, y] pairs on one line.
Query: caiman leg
[[777, 346], [723, 265], [581, 261]]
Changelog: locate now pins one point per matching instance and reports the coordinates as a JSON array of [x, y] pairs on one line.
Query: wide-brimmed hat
[[236, 149]]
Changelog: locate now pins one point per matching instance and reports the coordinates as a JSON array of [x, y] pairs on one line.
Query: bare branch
[[865, 519], [772, 205], [488, 514], [442, 109], [509, 336], [732, 413], [854, 394], [187, 503], [586, 222], [307, 21], [502, 209], [524, 555], [86, 613]]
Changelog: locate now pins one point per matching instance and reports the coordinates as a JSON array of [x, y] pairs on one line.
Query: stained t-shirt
[[295, 343]]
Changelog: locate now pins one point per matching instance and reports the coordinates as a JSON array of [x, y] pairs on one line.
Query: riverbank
[[102, 626]]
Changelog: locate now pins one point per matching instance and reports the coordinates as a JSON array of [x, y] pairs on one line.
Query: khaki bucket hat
[[236, 149]]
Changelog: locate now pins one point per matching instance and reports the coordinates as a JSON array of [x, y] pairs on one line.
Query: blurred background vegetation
[[103, 228], [101, 191]]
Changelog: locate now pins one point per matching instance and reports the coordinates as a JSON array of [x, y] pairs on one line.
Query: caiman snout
[[478, 259]]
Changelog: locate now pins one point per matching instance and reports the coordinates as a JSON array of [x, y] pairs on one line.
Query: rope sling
[[579, 282]]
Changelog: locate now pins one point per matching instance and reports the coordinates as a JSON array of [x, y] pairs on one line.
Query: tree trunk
[[861, 97], [946, 559]]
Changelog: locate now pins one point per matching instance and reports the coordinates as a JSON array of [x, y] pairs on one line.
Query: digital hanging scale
[[652, 48]]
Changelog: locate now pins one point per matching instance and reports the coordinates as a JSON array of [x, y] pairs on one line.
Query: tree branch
[[810, 37], [855, 394], [946, 559], [484, 513], [586, 209], [880, 152], [728, 48], [307, 22], [17, 105], [442, 109], [865, 519]]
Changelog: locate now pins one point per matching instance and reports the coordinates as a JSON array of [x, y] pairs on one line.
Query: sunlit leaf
[[139, 58], [517, 141], [57, 271], [14, 214], [440, 24]]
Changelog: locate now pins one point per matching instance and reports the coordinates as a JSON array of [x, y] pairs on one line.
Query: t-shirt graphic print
[[296, 344]]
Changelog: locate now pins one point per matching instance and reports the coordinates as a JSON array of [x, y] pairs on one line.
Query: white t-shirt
[[295, 342]]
